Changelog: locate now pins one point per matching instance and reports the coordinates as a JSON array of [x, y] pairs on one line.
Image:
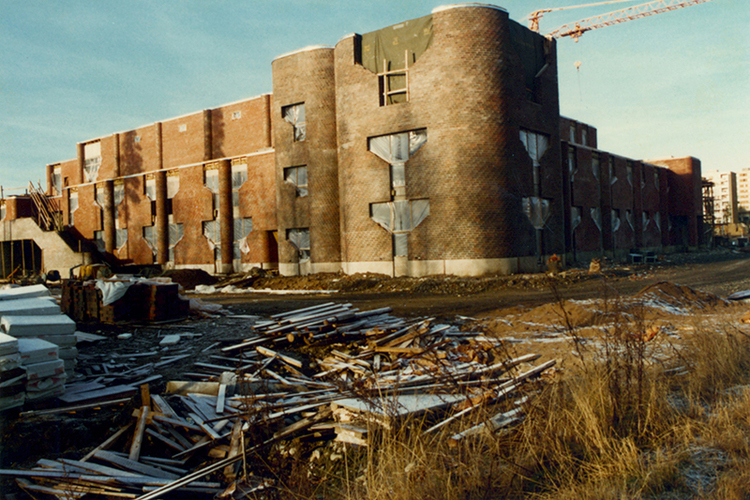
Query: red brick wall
[[183, 148], [250, 132], [473, 168], [139, 151], [308, 77], [258, 201], [191, 206]]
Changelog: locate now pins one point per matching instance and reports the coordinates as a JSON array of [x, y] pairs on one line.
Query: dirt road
[[720, 272]]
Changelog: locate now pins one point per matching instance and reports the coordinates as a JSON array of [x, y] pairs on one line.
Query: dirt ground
[[533, 313]]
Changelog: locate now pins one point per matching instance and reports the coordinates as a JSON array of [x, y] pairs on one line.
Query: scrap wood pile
[[323, 374]]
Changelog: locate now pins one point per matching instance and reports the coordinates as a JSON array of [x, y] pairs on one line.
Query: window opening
[[537, 210], [2, 210], [212, 233], [612, 176], [175, 235], [149, 236], [584, 136], [536, 144], [92, 160], [298, 177], [595, 166], [575, 217], [56, 181], [299, 238], [572, 133], [239, 177], [572, 166], [72, 205], [615, 220], [629, 168], [629, 218], [242, 228], [99, 241], [295, 114], [211, 181], [396, 149], [173, 187], [596, 216], [121, 237]]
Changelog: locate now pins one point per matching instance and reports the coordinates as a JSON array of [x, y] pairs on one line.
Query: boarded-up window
[[298, 177], [295, 114], [572, 164]]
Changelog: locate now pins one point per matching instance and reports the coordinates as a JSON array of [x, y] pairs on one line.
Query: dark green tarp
[[390, 44]]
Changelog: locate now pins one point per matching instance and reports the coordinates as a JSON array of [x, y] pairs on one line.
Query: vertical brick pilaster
[[226, 216]]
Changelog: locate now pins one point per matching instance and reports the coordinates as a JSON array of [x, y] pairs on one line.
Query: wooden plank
[[145, 396], [161, 406], [176, 422], [271, 354], [134, 466], [172, 444], [89, 467], [206, 428], [221, 398], [67, 409], [135, 448], [118, 391]]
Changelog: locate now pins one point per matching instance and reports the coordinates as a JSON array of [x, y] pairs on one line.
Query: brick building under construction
[[434, 146]]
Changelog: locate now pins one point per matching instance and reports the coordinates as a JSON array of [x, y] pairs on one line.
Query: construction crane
[[535, 16], [578, 28]]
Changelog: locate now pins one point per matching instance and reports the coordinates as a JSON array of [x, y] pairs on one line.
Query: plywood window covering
[[394, 83], [92, 160]]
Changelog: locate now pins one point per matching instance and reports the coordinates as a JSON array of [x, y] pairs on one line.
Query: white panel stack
[[58, 329], [12, 374], [45, 372]]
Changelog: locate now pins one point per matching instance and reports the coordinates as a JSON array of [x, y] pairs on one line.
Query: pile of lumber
[[327, 373]]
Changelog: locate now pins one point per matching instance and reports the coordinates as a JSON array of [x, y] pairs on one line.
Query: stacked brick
[[143, 301]]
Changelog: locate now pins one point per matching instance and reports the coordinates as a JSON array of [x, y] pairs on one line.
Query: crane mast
[[578, 28]]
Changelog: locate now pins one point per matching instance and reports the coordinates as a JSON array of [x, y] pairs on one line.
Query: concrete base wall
[[56, 254]]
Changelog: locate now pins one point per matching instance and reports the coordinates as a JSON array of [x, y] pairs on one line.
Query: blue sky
[[673, 84]]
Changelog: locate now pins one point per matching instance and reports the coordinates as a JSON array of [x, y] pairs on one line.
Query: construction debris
[[329, 373]]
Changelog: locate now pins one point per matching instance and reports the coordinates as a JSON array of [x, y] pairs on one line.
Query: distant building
[[434, 146]]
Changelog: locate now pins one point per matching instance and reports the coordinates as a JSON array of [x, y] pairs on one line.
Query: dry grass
[[622, 423]]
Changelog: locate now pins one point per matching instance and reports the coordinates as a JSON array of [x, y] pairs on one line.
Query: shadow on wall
[[217, 133]]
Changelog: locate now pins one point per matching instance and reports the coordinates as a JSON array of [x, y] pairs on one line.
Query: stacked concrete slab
[[45, 372], [12, 374], [43, 338]]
